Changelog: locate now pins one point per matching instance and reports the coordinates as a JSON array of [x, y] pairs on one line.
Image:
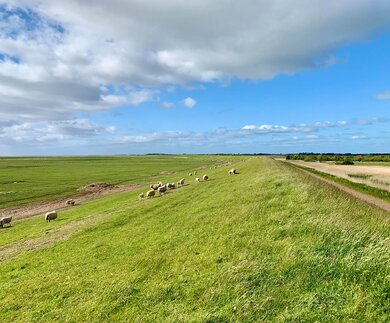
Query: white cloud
[[167, 105], [303, 127], [383, 96], [189, 102], [29, 132], [70, 57]]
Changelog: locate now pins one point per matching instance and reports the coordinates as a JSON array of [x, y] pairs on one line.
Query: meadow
[[30, 179], [268, 244]]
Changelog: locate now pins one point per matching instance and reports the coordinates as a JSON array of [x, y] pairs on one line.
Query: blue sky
[[192, 78]]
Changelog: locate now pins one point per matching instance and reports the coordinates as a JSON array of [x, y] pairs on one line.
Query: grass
[[369, 190], [361, 176], [25, 180], [268, 244]]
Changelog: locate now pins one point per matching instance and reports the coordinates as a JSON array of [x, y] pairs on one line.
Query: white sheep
[[232, 171], [5, 220], [189, 174], [171, 185], [70, 202], [150, 193], [155, 186], [162, 189], [195, 172], [181, 182], [160, 184], [141, 196], [197, 179], [51, 216], [205, 177]]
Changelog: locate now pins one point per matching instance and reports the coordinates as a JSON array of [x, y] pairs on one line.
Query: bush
[[348, 161]]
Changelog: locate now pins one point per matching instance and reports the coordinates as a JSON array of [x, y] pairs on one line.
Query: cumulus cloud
[[52, 131], [58, 58], [46, 137], [189, 102], [383, 96]]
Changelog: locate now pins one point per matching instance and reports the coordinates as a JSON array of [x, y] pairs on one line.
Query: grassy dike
[[267, 244]]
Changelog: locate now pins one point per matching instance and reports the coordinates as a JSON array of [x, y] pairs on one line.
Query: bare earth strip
[[32, 209], [366, 198], [374, 176]]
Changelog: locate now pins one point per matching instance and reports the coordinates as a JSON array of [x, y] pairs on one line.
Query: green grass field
[[268, 244], [24, 180]]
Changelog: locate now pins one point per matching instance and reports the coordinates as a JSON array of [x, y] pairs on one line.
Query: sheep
[[181, 182], [141, 196], [232, 171], [154, 186], [197, 179], [189, 174], [160, 184], [4, 220], [171, 185], [195, 172], [205, 177], [150, 193], [50, 216], [162, 189], [70, 202]]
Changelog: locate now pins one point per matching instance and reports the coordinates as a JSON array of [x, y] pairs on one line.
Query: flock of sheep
[[158, 187], [162, 188]]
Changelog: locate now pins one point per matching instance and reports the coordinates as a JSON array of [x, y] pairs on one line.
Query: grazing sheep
[[155, 186], [150, 193], [181, 182], [5, 220], [194, 172], [205, 177], [189, 174], [162, 189], [141, 196], [171, 185], [197, 179], [70, 202], [160, 184], [50, 216], [232, 171]]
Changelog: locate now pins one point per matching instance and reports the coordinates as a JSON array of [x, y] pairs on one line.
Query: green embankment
[[268, 244]]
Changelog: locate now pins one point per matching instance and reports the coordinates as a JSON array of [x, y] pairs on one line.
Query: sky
[[83, 77]]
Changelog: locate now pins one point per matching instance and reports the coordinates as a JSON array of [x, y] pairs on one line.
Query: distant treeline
[[345, 159]]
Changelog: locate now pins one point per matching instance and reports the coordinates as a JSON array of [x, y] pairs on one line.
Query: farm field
[[30, 179], [371, 175], [268, 244]]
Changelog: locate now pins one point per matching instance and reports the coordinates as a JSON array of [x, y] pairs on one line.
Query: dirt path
[[361, 196], [90, 192], [375, 176]]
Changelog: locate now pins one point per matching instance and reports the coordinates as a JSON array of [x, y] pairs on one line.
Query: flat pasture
[[31, 179]]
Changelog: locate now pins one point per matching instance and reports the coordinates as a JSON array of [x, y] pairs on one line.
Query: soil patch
[[167, 172], [97, 187]]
